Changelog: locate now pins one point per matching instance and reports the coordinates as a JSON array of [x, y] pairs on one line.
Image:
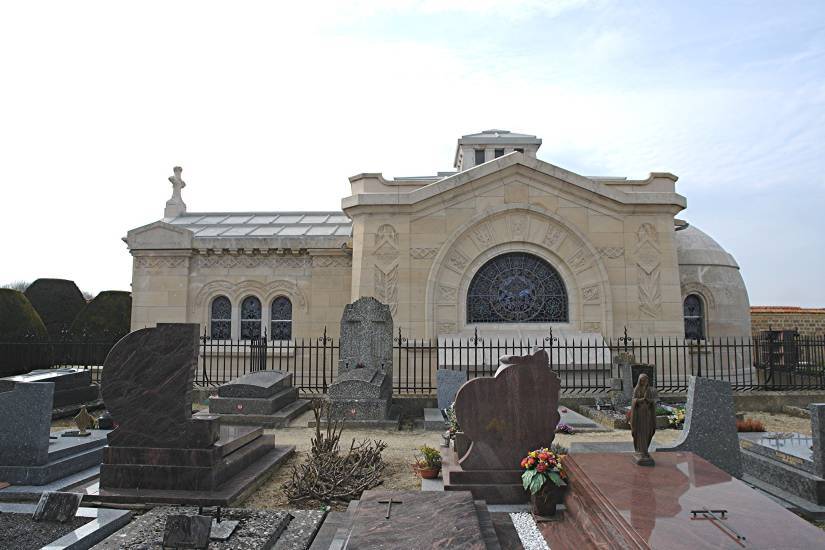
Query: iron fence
[[584, 366], [769, 361]]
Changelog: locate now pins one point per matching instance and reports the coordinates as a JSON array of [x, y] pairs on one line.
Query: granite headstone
[[366, 336], [25, 419], [158, 452], [263, 398], [448, 382], [363, 389], [57, 506], [710, 425]]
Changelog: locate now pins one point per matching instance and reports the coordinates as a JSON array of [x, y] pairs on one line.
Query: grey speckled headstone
[[710, 425], [818, 432], [366, 335], [25, 418], [448, 382], [57, 506]]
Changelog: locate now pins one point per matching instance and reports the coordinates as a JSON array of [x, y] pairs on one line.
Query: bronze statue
[[84, 421], [643, 420]]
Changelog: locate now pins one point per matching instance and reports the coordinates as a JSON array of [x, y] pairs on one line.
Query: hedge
[[58, 302], [20, 322], [107, 317]]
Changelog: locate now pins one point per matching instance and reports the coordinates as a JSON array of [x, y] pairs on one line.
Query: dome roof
[[695, 247]]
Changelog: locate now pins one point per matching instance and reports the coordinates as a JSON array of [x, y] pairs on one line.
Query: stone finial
[[175, 205]]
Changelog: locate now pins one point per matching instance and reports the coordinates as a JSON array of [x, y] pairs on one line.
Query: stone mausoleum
[[507, 244]]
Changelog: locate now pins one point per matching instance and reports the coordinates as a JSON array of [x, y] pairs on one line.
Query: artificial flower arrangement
[[562, 428], [540, 466], [677, 418], [452, 421]]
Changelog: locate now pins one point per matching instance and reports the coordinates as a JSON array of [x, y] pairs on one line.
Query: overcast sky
[[271, 106]]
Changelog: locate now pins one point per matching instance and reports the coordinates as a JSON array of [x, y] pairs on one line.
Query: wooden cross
[[389, 504]]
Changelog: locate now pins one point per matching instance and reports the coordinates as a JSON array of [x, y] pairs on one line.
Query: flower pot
[[427, 473], [545, 501]]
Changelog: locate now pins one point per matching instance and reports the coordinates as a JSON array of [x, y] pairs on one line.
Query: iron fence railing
[[768, 361]]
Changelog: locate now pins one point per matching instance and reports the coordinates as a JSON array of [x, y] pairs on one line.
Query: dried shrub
[[750, 425], [329, 474]]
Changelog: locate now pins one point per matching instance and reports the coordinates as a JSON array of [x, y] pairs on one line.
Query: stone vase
[[543, 503]]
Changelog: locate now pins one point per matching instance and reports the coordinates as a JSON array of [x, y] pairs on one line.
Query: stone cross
[[84, 421], [389, 502], [366, 335], [177, 182]]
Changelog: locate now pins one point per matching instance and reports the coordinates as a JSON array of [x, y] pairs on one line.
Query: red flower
[[541, 467], [531, 461], [544, 456], [523, 462]]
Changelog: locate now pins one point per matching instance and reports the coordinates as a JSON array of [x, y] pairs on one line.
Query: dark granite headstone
[[710, 425], [366, 335], [183, 531], [507, 415], [448, 382], [25, 419], [504, 417], [57, 506], [158, 452], [363, 389]]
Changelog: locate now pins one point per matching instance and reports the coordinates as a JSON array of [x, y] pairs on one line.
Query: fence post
[[323, 342], [203, 357], [698, 357]]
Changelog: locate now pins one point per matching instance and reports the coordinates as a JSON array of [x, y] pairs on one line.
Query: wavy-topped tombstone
[[159, 452], [504, 417]]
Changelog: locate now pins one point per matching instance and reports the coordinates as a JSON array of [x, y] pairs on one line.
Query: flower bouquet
[[544, 477]]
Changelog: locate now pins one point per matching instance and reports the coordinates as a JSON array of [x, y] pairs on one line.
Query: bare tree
[[17, 285]]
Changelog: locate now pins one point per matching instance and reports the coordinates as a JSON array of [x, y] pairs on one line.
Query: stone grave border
[[105, 521]]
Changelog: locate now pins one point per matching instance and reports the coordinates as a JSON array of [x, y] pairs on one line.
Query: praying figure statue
[[643, 420]]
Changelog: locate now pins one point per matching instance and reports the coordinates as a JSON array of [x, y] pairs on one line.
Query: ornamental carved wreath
[[517, 288]]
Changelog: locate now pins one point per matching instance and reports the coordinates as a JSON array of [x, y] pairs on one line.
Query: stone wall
[[808, 321]]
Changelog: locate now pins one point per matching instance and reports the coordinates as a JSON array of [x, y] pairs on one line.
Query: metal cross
[[389, 504]]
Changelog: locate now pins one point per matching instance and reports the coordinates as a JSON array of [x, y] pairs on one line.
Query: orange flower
[[524, 463]]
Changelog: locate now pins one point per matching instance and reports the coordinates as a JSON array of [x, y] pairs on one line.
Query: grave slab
[[73, 388], [613, 503], [452, 520], [257, 529]]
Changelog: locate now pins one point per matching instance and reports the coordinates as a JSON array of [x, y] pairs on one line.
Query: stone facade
[[808, 321], [415, 244]]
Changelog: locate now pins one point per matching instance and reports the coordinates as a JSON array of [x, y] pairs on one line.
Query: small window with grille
[[221, 319], [694, 314], [281, 319], [250, 318]]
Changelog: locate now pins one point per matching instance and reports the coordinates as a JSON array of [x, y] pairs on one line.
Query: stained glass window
[[517, 288], [221, 319], [250, 318], [281, 319], [694, 313]]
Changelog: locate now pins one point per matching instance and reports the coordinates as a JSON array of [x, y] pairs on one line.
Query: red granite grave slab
[[613, 503]]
